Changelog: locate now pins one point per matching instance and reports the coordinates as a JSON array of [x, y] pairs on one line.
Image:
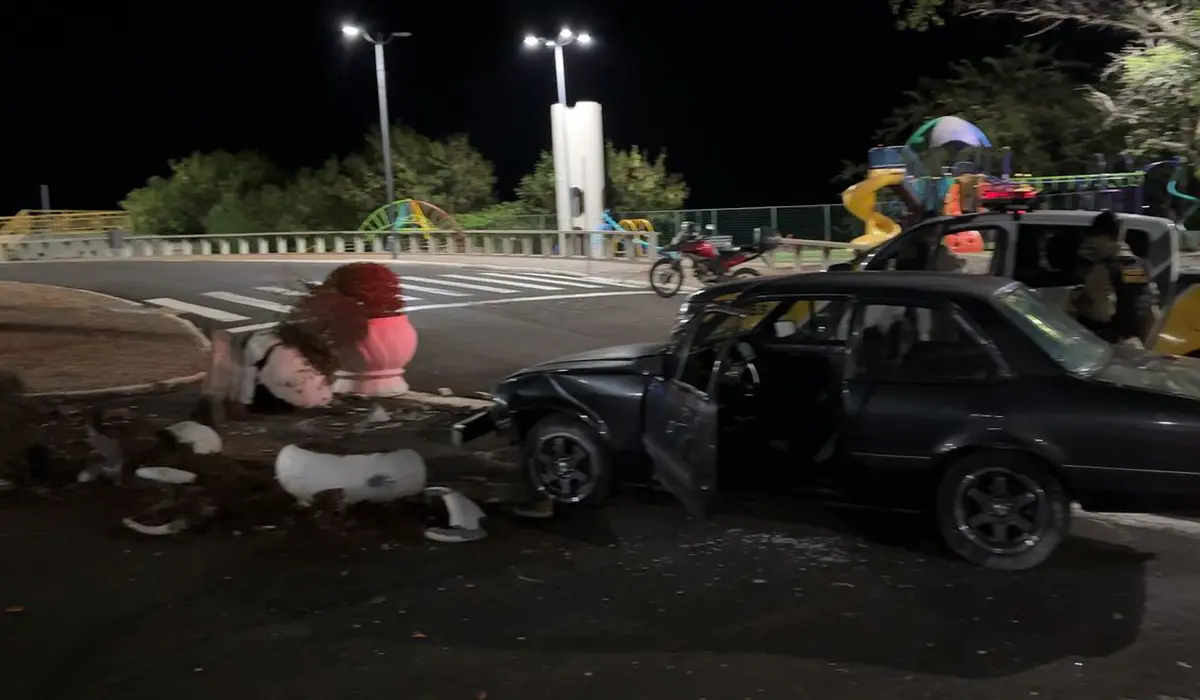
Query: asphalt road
[[475, 325], [778, 601]]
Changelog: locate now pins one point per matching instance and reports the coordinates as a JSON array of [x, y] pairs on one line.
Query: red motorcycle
[[710, 264]]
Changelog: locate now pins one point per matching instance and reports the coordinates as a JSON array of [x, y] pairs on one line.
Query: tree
[[1024, 100], [451, 174], [180, 203], [636, 182], [1155, 92]]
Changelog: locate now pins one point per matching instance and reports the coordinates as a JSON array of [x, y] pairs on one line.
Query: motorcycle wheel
[[666, 277]]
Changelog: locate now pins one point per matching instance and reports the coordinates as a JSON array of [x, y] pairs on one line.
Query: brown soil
[[59, 339]]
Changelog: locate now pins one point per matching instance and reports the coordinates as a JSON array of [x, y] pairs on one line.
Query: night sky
[[757, 103]]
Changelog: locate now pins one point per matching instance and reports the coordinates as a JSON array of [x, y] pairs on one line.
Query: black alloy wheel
[[1002, 511], [566, 462]]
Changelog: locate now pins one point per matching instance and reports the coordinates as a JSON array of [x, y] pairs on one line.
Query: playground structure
[[408, 216], [944, 169], [641, 245]]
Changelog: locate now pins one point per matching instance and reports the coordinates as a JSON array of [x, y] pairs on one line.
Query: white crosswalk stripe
[[464, 285], [524, 285], [282, 291], [249, 301], [203, 311], [535, 278], [432, 290]]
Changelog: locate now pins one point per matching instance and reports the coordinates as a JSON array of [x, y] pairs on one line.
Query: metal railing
[[62, 221], [617, 246], [823, 222]]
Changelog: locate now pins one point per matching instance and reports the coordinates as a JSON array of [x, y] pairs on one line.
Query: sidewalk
[[61, 340]]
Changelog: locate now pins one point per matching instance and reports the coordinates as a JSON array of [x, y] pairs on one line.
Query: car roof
[[877, 281]]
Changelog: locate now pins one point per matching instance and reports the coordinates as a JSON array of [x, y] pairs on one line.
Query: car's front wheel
[[565, 460], [1002, 510]]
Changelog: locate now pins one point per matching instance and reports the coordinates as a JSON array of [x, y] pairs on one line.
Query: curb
[[444, 401], [197, 335]]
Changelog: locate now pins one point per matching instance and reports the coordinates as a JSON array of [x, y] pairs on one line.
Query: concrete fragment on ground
[[378, 478], [464, 516]]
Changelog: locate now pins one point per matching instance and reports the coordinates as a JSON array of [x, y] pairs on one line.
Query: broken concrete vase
[[379, 477], [283, 371], [376, 366]]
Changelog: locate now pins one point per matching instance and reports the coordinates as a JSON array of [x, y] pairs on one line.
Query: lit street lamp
[[380, 40], [565, 38]]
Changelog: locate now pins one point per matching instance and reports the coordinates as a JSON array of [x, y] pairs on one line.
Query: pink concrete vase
[[376, 366]]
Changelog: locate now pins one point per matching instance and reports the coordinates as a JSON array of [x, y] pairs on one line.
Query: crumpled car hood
[[1164, 374]]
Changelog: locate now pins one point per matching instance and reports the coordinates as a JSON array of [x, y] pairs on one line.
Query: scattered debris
[[465, 518], [112, 458], [201, 438], [166, 475], [171, 528], [378, 478], [378, 414], [443, 391]]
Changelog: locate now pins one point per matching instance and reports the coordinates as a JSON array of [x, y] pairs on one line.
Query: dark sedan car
[[964, 394]]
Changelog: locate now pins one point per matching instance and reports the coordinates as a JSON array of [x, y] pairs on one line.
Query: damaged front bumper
[[494, 419]]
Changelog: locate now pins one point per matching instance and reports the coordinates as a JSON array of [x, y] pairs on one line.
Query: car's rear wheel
[[566, 461], [1002, 510]]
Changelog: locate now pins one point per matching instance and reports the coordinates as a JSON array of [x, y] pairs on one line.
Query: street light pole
[[562, 199], [385, 137]]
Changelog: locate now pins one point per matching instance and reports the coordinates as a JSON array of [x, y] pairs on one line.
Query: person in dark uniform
[[1114, 296]]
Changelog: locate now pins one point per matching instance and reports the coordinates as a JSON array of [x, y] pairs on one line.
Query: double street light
[[380, 40], [565, 38]]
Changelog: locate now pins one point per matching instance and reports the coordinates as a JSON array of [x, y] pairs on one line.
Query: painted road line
[[249, 301], [525, 285], [283, 291], [196, 309], [469, 304], [536, 278], [449, 283], [431, 290]]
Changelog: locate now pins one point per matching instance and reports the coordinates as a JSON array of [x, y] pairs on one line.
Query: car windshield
[[1075, 348]]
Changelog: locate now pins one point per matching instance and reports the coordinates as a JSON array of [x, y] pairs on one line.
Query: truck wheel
[[1002, 510], [565, 460]]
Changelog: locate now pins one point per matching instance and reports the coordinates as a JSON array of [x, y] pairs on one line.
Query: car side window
[[1047, 255], [810, 322], [916, 343]]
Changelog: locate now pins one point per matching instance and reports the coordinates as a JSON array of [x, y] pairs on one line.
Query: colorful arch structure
[[409, 215]]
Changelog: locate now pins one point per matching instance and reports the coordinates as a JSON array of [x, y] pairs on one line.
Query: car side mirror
[[840, 267]]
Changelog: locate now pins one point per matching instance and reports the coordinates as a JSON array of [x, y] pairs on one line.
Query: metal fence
[[822, 222]]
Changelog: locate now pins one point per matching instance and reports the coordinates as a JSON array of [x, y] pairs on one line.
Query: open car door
[[680, 433]]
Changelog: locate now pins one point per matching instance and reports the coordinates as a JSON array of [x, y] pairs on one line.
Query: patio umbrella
[[949, 132]]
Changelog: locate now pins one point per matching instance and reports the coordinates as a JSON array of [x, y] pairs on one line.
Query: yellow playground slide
[[860, 199]]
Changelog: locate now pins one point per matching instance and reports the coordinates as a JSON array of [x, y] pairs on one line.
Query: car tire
[[746, 272], [579, 436], [966, 479]]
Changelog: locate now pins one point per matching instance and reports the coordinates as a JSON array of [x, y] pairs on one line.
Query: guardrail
[[610, 245]]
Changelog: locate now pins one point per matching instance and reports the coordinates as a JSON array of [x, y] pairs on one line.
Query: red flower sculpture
[[374, 287]]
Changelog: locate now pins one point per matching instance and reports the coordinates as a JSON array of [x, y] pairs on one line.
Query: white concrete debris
[[166, 475], [201, 438], [378, 478], [465, 517], [378, 414], [111, 458], [172, 528]]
